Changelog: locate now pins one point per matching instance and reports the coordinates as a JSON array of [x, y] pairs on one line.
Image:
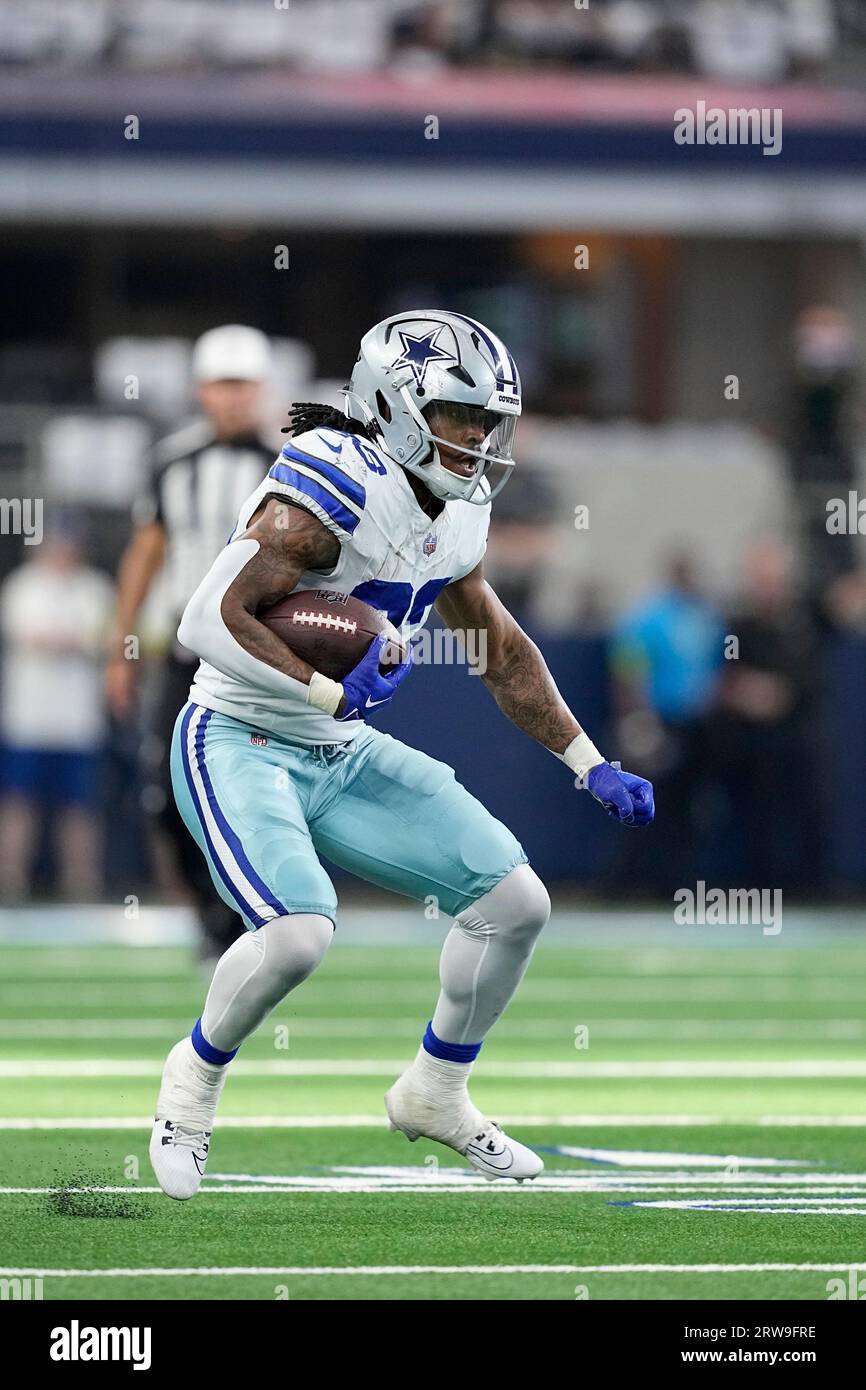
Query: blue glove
[[365, 689], [629, 799]]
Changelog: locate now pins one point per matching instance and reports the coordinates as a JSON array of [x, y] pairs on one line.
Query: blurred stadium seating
[[759, 40]]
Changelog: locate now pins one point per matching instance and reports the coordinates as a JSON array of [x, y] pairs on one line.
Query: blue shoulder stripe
[[354, 491], [326, 500]]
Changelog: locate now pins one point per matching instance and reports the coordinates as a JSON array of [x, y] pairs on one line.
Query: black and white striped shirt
[[196, 488]]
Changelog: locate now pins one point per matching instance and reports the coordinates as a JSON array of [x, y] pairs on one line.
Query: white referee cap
[[231, 353]]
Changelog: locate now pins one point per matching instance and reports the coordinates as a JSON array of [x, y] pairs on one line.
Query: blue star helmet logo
[[418, 353]]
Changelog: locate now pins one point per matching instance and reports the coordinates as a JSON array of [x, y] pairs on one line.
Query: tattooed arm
[[514, 671], [519, 681], [291, 540], [255, 570]]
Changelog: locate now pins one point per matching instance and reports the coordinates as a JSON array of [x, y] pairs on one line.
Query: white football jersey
[[393, 556]]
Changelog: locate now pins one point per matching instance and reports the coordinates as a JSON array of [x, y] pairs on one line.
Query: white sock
[[191, 1106], [208, 1073], [441, 1082]]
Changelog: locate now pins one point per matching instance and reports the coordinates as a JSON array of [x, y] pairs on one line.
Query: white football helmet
[[423, 358]]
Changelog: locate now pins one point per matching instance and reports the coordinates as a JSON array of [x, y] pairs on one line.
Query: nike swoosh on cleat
[[488, 1158]]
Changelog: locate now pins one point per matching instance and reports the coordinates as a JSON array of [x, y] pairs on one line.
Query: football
[[331, 630]]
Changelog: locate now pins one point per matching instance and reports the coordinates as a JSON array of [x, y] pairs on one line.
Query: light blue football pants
[[262, 809]]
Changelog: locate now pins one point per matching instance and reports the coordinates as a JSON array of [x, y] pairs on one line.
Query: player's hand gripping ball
[[347, 640], [375, 679], [626, 797]]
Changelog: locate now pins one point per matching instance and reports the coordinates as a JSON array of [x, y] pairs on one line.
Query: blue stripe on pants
[[234, 845]]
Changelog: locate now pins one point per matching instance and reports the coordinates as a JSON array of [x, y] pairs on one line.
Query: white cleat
[[481, 1141], [178, 1157], [185, 1112], [497, 1155]]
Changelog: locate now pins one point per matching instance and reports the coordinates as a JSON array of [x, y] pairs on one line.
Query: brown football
[[331, 631]]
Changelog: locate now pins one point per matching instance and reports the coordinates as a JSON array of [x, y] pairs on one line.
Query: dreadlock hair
[[307, 415]]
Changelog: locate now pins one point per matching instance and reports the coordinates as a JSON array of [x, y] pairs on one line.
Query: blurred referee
[[198, 479]]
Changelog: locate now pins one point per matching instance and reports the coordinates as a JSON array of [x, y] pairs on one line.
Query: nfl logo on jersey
[[429, 543]]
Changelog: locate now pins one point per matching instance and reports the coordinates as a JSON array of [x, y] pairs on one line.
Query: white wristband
[[324, 693], [581, 756]]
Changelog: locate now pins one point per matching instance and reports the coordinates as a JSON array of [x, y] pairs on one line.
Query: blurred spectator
[[665, 660], [537, 33], [823, 459], [844, 602], [825, 362], [428, 34], [199, 479], [740, 40], [54, 615], [766, 730]]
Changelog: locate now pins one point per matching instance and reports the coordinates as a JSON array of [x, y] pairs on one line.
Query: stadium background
[[460, 154], [258, 129]]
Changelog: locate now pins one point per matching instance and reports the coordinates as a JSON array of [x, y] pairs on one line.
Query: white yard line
[[840, 1208], [747, 1188], [653, 1160], [738, 1029], [602, 1178], [585, 1121], [331, 1187], [347, 1187], [26, 1069], [767, 1203], [773, 1030], [31, 1029], [698, 1197], [840, 1267], [688, 991]]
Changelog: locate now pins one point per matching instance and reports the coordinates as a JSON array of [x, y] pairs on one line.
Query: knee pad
[[518, 907], [294, 946]]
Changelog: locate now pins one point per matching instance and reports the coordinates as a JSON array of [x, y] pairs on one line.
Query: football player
[[273, 762]]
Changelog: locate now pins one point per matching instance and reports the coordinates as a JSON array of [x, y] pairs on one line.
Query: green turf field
[[715, 1120]]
